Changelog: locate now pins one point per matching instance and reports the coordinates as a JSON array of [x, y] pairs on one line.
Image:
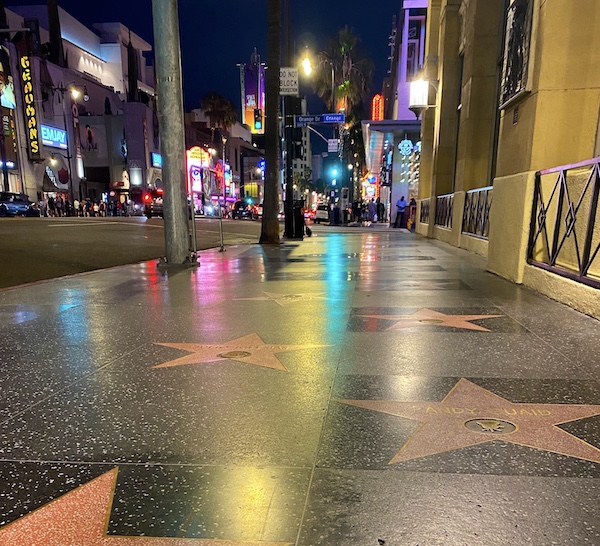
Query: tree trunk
[[270, 222]]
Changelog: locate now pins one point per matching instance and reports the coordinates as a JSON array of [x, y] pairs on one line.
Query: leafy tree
[[270, 222], [351, 75], [219, 110]]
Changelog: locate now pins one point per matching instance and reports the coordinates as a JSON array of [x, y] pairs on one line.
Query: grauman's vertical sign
[[31, 126]]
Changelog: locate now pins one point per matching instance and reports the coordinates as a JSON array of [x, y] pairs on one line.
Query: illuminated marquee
[[377, 108], [31, 126], [197, 159]]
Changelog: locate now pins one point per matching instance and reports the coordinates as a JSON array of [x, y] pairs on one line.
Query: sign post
[[288, 81]]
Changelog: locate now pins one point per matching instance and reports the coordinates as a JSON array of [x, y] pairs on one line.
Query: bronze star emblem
[[285, 299], [471, 415], [250, 349], [428, 317]]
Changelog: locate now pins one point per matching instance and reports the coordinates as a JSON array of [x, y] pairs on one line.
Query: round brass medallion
[[490, 426], [234, 354]]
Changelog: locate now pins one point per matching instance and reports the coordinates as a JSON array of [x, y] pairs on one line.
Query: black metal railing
[[476, 214], [443, 210], [564, 236], [424, 214]]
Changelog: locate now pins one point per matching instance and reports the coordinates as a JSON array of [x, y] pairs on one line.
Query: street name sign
[[303, 121], [288, 81], [333, 118]]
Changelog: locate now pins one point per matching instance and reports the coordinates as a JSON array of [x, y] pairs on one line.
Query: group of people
[[62, 206], [372, 210]]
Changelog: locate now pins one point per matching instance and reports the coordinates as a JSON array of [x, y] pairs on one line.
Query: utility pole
[[172, 140]]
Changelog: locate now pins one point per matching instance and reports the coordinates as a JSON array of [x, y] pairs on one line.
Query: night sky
[[218, 34]]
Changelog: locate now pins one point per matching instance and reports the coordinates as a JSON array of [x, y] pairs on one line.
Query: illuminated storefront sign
[[377, 108], [197, 159], [156, 160], [31, 127], [53, 137]]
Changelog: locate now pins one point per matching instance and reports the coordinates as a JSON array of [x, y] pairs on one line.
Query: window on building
[[516, 50]]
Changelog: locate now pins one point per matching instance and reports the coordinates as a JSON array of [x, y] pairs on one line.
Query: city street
[[34, 249]]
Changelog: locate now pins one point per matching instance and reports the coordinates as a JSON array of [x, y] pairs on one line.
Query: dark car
[[153, 203], [16, 204], [241, 209]]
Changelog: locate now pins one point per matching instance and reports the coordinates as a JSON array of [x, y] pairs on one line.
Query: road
[[33, 249]]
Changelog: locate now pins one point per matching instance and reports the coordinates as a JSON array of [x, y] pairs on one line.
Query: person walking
[[400, 208]]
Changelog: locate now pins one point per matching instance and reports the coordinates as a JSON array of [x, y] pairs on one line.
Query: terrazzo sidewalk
[[360, 387]]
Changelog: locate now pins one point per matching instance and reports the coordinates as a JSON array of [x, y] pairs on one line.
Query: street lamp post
[[75, 93]]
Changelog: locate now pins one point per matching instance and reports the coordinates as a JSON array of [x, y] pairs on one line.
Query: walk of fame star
[[80, 517], [285, 299], [471, 415], [428, 317], [250, 349]]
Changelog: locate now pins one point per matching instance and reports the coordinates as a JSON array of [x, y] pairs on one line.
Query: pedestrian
[[51, 206], [96, 209], [372, 211], [81, 208], [58, 204], [380, 210], [75, 207], [102, 208], [400, 208]]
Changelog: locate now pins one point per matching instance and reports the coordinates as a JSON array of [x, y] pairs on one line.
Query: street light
[[73, 90], [419, 96]]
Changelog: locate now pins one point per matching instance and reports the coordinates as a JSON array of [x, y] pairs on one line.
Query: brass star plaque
[[250, 349], [471, 415]]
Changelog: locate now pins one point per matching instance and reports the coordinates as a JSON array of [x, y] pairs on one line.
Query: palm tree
[[352, 73], [270, 223], [219, 110]]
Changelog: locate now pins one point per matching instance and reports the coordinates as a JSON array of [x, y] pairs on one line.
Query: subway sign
[[31, 126], [53, 137]]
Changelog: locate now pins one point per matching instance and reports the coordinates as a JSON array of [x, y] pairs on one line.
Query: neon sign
[[31, 127], [53, 137], [377, 108]]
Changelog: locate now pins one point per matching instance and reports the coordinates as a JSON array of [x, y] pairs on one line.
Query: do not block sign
[[288, 81]]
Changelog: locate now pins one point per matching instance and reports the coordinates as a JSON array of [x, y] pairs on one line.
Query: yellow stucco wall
[[510, 217], [574, 294]]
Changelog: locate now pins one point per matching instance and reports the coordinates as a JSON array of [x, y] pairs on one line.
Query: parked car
[[241, 209], [321, 214], [16, 204], [153, 203]]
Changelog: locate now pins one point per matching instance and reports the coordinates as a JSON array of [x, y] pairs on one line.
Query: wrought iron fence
[[476, 214], [565, 222], [424, 214], [443, 210]]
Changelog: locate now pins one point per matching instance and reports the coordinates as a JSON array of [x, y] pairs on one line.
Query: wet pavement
[[356, 388]]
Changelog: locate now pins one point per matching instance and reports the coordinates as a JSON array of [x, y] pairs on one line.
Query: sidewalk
[[355, 387]]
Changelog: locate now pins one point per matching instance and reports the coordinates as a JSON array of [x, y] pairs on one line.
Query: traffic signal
[[258, 119]]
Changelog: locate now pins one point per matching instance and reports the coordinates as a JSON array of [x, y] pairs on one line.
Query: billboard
[[253, 89]]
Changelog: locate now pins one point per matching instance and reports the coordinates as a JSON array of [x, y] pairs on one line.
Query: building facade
[[509, 164], [85, 123]]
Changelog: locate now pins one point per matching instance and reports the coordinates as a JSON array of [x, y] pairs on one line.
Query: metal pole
[[171, 123], [222, 249], [62, 93]]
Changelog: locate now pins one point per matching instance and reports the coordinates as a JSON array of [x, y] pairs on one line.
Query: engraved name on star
[[428, 317], [250, 349], [285, 299], [470, 415]]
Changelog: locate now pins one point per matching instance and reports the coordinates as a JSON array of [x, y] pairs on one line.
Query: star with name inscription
[[470, 415], [250, 349], [429, 317], [285, 299]]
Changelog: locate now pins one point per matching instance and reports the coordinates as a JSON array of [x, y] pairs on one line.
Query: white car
[[322, 214]]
